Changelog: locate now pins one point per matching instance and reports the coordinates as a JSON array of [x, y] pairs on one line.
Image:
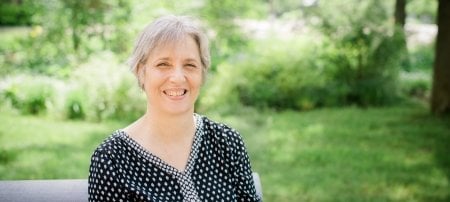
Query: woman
[[171, 153]]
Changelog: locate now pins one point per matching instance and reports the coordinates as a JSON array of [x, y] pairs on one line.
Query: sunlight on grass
[[37, 148], [352, 154]]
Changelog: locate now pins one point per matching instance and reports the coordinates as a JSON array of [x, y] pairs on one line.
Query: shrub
[[363, 70], [17, 12], [364, 52], [415, 84], [283, 75], [96, 90], [422, 58], [128, 101], [75, 104], [218, 93], [307, 73], [29, 94], [105, 89]]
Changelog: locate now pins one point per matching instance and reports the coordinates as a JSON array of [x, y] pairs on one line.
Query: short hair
[[168, 29]]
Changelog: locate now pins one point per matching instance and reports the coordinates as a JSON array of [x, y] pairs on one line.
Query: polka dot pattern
[[218, 169]]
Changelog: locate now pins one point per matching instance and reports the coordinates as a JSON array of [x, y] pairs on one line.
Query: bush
[[17, 12], [128, 101], [29, 94], [422, 58], [105, 89], [219, 93], [283, 78], [283, 75], [307, 73], [97, 90], [416, 84], [75, 104], [363, 70], [354, 59], [364, 52]]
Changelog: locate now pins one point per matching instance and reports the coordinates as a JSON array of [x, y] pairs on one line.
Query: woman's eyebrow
[[190, 60], [163, 58]]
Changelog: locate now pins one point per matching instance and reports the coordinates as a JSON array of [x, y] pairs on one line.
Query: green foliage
[[421, 58], [281, 78], [416, 84], [306, 74], [422, 10], [17, 12], [128, 101], [219, 93], [364, 74], [37, 55], [354, 62], [105, 89], [364, 52], [75, 104], [227, 39], [67, 32], [9, 45], [31, 95], [99, 89]]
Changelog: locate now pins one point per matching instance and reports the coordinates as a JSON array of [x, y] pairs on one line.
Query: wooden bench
[[57, 190]]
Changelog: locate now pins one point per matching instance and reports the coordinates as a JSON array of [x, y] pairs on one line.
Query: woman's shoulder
[[110, 144], [221, 131]]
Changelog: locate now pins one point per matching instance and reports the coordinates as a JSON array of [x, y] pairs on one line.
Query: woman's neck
[[167, 126], [169, 137]]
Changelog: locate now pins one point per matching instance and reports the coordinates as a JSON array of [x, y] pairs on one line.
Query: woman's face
[[172, 77]]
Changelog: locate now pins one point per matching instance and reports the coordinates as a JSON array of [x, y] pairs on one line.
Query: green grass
[[350, 154], [39, 148]]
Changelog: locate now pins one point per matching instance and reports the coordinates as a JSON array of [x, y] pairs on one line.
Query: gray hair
[[168, 29]]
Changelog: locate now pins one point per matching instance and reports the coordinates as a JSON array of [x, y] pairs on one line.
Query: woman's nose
[[178, 74]]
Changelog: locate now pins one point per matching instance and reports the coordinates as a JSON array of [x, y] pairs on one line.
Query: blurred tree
[[278, 8], [222, 17], [364, 54], [17, 12], [400, 12], [91, 18], [440, 97], [82, 15], [67, 32], [423, 11], [400, 18]]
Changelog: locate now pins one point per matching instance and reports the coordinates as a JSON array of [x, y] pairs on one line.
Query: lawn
[[40, 148], [346, 154]]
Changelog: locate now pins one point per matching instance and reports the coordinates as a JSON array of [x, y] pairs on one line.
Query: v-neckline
[[159, 161]]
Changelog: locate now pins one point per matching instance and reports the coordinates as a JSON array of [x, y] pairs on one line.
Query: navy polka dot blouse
[[218, 169]]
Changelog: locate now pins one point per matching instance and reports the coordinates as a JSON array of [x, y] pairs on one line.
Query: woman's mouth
[[175, 93]]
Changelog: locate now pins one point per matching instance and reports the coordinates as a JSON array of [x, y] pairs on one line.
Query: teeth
[[175, 92]]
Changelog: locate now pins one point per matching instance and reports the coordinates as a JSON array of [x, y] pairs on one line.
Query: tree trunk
[[400, 36], [400, 13], [440, 95]]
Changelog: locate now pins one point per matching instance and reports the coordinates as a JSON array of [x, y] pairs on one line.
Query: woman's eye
[[162, 65], [191, 65]]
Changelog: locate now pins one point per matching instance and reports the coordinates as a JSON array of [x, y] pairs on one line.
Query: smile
[[174, 93]]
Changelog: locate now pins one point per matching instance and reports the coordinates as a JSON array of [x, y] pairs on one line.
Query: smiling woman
[[171, 153], [172, 75]]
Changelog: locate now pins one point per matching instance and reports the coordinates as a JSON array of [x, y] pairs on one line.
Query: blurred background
[[332, 97]]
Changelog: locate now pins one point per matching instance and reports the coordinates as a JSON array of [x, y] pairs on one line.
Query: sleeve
[[103, 179], [245, 186]]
